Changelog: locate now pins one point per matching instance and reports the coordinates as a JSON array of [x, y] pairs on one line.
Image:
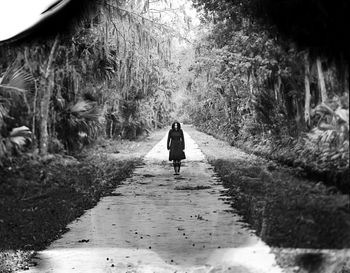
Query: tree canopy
[[320, 25]]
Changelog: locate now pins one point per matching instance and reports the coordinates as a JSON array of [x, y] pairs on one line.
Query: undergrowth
[[310, 157], [283, 210]]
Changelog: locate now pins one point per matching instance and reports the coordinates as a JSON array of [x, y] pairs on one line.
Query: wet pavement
[[158, 222]]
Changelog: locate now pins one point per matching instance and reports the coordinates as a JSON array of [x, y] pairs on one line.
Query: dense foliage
[[318, 24], [256, 87], [275, 88], [107, 72]]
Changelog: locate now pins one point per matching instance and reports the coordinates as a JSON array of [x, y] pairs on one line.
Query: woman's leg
[[175, 166], [179, 166]]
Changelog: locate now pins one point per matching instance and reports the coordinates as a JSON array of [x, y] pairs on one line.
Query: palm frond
[[3, 111], [82, 123], [80, 106], [19, 135], [15, 140], [13, 86], [342, 115], [16, 81]]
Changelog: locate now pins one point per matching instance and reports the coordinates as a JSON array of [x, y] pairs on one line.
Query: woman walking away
[[176, 146]]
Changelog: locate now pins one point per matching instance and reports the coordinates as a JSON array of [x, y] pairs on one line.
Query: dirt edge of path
[[40, 196], [300, 219]]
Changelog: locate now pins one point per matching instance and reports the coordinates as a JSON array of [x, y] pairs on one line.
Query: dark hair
[[178, 125]]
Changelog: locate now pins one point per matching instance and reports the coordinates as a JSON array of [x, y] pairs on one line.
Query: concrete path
[[158, 222]]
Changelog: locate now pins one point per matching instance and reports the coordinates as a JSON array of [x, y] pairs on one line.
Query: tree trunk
[[111, 130], [251, 84], [307, 89], [321, 81], [26, 53], [277, 89], [298, 118], [45, 101]]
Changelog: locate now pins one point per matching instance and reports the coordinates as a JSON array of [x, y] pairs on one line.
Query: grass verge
[[284, 211], [38, 200]]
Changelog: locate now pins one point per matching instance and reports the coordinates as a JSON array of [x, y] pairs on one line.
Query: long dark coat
[[176, 144]]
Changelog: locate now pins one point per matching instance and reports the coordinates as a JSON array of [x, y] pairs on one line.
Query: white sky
[[17, 16]]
